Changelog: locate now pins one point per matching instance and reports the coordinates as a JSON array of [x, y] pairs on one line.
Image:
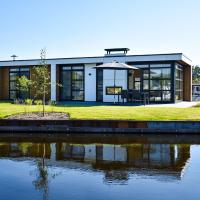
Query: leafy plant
[[51, 103], [38, 102], [17, 101], [23, 84], [28, 102]]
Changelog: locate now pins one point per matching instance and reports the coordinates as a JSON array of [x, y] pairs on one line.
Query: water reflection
[[117, 162]]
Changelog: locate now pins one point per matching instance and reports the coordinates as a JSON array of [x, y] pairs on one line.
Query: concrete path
[[182, 104]]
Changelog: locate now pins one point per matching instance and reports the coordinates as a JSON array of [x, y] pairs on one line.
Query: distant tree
[[196, 74]]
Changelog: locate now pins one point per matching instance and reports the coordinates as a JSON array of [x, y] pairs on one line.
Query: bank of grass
[[109, 112]]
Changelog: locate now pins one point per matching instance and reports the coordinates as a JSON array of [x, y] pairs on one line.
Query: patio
[[182, 104]]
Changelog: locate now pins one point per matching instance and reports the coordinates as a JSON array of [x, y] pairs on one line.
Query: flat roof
[[100, 59]]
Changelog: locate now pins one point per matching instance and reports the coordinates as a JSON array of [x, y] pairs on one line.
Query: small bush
[[28, 102], [197, 105], [51, 103], [38, 102], [18, 101]]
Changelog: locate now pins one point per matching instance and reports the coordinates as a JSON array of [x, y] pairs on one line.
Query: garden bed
[[39, 116]]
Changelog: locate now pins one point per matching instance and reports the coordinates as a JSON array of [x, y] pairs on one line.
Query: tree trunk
[[44, 101]]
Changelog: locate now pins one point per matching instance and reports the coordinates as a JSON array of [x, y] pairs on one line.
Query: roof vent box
[[116, 51]]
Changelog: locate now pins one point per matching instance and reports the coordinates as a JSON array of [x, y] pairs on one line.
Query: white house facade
[[165, 77]]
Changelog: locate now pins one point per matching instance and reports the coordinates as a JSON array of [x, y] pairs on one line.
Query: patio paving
[[182, 104]]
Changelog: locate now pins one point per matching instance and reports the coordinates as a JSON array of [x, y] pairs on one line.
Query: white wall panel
[[90, 82], [53, 82]]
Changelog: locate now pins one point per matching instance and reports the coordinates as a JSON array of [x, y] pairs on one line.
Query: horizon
[[85, 29]]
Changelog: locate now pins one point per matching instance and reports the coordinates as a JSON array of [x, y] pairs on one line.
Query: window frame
[[156, 65], [18, 70], [72, 68]]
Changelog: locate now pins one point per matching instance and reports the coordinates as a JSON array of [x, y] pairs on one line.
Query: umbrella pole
[[114, 84]]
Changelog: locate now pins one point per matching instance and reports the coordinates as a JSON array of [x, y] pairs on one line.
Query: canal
[[96, 167]]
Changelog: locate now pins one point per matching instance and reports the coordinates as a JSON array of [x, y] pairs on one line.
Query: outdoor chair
[[139, 96], [124, 95], [135, 96]]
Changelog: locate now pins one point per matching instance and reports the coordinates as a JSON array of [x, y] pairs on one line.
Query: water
[[100, 167]]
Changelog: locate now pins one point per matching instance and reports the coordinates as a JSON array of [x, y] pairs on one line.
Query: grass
[[108, 112]]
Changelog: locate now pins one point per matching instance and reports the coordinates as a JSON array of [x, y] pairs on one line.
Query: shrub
[[51, 103], [18, 101], [28, 102], [38, 102]]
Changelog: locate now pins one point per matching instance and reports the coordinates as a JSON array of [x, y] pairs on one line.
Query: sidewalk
[[182, 104]]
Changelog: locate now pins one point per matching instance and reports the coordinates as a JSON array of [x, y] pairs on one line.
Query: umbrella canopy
[[116, 66]]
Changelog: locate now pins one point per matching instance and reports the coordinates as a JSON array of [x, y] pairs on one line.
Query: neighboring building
[[166, 77], [196, 89], [195, 92]]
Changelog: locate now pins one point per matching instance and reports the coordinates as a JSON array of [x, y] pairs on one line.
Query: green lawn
[[109, 112]]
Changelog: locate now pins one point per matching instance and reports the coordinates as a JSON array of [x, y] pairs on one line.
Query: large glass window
[[14, 74], [72, 81], [179, 82], [157, 81], [160, 82]]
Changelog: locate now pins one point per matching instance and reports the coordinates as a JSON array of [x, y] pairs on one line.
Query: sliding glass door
[[72, 81]]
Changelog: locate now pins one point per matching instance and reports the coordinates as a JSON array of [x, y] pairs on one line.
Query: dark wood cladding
[[4, 83], [187, 83]]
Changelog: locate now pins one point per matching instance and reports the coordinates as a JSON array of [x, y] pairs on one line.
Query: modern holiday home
[[166, 78]]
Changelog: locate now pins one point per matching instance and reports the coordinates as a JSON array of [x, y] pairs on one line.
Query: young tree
[[41, 79]]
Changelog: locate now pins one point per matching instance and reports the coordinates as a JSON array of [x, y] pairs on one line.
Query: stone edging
[[99, 126]]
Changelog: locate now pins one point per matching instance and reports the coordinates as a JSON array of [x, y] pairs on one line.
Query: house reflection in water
[[118, 162], [17, 150]]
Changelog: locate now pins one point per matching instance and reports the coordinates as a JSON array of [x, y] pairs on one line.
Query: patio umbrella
[[115, 66]]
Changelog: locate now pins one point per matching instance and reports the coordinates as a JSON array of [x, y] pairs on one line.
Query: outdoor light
[[89, 74]]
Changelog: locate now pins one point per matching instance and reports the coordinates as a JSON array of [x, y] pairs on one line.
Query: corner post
[[53, 82]]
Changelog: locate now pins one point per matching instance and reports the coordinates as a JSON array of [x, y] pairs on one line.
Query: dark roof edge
[[99, 57]]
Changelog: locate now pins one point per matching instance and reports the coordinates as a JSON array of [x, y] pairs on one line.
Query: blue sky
[[70, 28]]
